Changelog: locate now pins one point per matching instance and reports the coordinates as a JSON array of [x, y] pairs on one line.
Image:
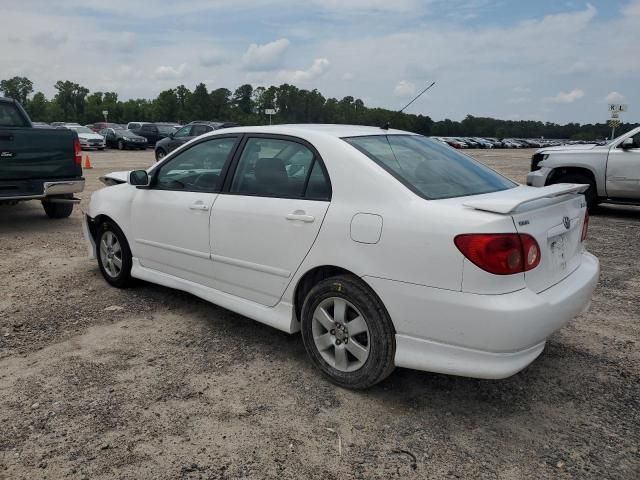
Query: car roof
[[331, 130]]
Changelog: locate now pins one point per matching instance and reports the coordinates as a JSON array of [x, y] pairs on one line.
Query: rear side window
[[10, 116], [273, 167], [198, 130], [428, 168]]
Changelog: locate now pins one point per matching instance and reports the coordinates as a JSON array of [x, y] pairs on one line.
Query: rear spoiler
[[503, 202]]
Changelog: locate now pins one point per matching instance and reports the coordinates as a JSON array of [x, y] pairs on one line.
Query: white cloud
[[614, 97], [404, 89], [348, 76], [167, 72], [566, 97], [49, 39], [521, 90], [265, 57], [317, 69]]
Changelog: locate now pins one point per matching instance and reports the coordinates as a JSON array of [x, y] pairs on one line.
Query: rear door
[[623, 171], [268, 217], [556, 224]]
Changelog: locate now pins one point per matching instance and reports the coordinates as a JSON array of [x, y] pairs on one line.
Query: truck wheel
[[347, 332], [160, 154], [114, 255], [57, 210], [591, 195]]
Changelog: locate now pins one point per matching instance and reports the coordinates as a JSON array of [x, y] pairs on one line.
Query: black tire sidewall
[[124, 278], [57, 210], [591, 195], [381, 332]]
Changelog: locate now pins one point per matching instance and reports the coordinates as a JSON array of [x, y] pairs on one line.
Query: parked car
[[98, 126], [88, 138], [510, 143], [612, 171], [268, 222], [186, 133], [483, 143], [38, 163], [455, 143], [151, 131], [123, 139], [472, 143]]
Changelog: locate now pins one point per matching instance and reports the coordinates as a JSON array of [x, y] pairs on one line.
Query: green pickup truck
[[38, 163]]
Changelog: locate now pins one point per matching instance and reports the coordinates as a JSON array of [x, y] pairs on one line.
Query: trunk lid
[[554, 216], [37, 153]]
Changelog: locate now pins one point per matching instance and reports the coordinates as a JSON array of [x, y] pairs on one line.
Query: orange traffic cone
[[87, 162]]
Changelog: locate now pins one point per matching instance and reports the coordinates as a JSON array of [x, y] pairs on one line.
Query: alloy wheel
[[341, 334], [111, 254]]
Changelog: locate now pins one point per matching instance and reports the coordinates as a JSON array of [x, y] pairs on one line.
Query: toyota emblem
[[566, 221]]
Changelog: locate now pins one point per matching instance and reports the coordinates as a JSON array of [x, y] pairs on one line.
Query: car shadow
[[623, 212]]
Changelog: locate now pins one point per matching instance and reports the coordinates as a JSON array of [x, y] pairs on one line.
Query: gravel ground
[[152, 383]]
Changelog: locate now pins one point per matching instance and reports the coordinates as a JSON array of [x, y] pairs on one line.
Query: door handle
[[198, 206], [301, 217]]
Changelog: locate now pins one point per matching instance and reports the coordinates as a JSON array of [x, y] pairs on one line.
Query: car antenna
[[388, 124]]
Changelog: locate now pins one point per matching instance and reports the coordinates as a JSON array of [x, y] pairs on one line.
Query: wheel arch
[[559, 171], [310, 278]]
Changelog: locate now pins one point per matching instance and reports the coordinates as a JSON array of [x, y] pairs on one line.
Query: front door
[[623, 171], [182, 136], [269, 216], [170, 219]]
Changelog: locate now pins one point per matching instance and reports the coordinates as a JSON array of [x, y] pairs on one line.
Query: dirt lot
[[99, 383]]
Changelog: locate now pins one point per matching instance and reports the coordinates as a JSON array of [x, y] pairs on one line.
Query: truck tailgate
[[35, 153]]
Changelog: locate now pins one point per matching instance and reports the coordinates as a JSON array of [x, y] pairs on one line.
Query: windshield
[[428, 168], [82, 129]]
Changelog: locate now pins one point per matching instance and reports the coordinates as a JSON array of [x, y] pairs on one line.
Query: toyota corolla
[[384, 248]]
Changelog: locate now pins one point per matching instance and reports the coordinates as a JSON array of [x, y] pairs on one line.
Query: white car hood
[[90, 136], [567, 148], [114, 178]]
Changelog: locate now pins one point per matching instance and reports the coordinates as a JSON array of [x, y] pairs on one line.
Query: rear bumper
[[50, 189], [482, 336]]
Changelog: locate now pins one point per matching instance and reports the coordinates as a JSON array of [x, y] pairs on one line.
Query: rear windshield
[[10, 116], [428, 168]]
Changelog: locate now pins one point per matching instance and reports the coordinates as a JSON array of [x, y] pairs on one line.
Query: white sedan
[[88, 138], [384, 248]]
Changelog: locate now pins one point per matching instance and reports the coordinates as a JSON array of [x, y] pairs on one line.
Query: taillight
[[77, 151], [500, 253], [585, 226]]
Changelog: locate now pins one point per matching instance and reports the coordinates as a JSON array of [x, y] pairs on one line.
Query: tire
[[360, 302], [110, 253], [57, 210], [101, 148], [121, 145], [591, 195], [160, 154]]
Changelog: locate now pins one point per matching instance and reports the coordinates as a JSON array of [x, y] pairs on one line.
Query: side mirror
[[171, 134], [139, 178], [627, 143]]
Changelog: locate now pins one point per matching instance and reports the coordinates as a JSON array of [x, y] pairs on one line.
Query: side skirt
[[281, 316]]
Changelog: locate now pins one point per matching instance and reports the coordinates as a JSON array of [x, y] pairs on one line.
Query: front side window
[[183, 132], [198, 130], [197, 169], [279, 168], [428, 168]]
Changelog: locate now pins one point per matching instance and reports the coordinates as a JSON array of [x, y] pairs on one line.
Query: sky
[[557, 61]]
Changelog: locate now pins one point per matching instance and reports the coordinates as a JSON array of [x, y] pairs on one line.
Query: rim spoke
[[340, 357], [323, 342], [324, 318], [117, 262], [339, 310], [357, 350], [103, 246], [356, 326], [116, 247]]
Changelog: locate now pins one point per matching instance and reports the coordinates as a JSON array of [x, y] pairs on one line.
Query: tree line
[[246, 106]]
